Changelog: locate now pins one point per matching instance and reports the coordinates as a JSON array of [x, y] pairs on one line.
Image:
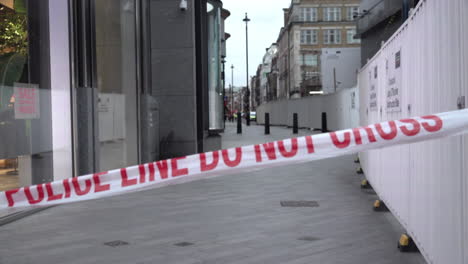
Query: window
[[314, 76], [215, 93], [309, 14], [332, 13], [30, 94], [309, 36], [332, 36], [351, 12], [117, 105], [310, 60], [350, 33]]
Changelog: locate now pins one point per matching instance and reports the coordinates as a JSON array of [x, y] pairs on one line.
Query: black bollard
[[324, 122], [247, 118], [267, 124], [295, 124], [239, 123]]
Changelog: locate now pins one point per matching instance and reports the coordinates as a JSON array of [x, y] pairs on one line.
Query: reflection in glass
[[209, 7], [116, 81], [215, 93], [14, 133]]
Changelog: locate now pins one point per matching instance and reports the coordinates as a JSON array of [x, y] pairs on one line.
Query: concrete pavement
[[233, 219]]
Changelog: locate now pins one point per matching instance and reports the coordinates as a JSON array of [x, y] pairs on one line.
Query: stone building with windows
[[255, 89], [266, 69], [264, 83], [312, 30]]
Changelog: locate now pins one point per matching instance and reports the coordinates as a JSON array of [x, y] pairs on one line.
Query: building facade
[[339, 68], [255, 94], [266, 68], [233, 103], [263, 86], [311, 28], [377, 21], [91, 86], [272, 92]]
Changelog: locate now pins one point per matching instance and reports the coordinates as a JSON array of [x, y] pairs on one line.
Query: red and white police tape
[[235, 160]]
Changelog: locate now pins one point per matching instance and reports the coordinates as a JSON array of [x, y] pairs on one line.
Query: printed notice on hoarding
[[373, 89], [26, 101], [393, 87]]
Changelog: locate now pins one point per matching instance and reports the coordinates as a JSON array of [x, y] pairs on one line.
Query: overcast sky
[[266, 21]]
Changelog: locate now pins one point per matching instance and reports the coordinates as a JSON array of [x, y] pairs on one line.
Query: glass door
[[116, 81], [105, 84]]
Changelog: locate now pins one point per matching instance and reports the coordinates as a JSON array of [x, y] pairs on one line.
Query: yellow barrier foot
[[365, 184], [406, 244], [379, 206], [359, 171]]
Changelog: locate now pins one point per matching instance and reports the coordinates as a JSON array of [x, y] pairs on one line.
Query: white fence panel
[[423, 184], [342, 110], [462, 12]]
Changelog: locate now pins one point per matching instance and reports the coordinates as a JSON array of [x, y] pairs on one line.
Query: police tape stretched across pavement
[[235, 160]]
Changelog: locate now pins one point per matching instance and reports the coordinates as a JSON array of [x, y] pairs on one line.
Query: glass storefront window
[[25, 96], [116, 83], [13, 55], [215, 87]]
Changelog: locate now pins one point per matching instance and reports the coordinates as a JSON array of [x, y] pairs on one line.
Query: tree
[[13, 48]]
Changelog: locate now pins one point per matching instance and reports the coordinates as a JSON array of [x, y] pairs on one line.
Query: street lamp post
[[223, 61], [247, 106], [232, 90]]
